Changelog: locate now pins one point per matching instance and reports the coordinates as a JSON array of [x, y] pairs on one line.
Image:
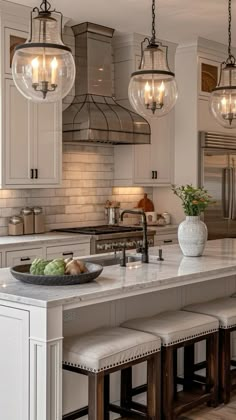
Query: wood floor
[[222, 412]]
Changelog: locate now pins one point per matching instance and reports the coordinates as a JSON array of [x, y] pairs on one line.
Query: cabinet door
[[17, 133], [67, 251], [25, 256], [154, 163], [13, 37], [162, 153], [48, 143], [142, 164], [14, 364]]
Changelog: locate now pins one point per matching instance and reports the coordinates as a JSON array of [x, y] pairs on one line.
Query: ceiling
[[177, 20]]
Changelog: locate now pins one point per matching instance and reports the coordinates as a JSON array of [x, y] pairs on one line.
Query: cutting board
[[146, 204]]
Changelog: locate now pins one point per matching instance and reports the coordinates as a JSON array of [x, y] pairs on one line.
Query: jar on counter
[[28, 219], [166, 217], [39, 223], [15, 226]]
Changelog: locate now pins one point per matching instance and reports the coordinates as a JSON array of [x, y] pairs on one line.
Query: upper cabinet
[[147, 165], [31, 134]]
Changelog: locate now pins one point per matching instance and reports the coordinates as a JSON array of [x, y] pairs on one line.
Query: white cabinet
[[67, 251], [25, 256], [144, 165], [168, 239], [14, 364], [149, 165], [32, 141], [31, 134]]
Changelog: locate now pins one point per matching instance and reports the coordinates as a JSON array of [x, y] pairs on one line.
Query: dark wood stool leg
[[225, 356], [213, 367], [96, 396], [175, 356], [167, 383], [154, 387], [126, 387], [188, 367], [106, 397]]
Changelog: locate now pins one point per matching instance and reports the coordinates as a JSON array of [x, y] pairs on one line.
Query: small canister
[[15, 226], [39, 224], [166, 217], [28, 219]]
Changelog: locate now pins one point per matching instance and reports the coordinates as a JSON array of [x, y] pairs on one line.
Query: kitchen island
[[34, 319]]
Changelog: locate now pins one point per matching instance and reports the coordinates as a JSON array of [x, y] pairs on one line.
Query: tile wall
[[87, 184]]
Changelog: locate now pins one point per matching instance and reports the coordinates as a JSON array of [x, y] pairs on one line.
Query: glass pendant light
[[153, 89], [223, 97], [43, 68]]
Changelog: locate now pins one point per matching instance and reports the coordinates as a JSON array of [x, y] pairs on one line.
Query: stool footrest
[[126, 412], [76, 414]]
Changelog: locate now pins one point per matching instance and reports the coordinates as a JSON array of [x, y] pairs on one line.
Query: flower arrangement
[[194, 200]]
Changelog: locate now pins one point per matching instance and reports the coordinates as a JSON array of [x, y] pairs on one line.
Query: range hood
[[94, 115]]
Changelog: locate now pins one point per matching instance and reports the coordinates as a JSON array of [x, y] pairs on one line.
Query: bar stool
[[224, 309], [182, 329], [101, 352]]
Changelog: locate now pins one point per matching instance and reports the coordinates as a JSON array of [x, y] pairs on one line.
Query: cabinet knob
[[155, 172], [152, 174], [36, 173], [25, 259], [31, 173]]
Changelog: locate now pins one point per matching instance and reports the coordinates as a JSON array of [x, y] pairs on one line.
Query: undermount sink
[[107, 260]]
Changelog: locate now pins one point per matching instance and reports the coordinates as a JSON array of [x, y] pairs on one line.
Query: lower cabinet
[[160, 240], [67, 251], [14, 364], [21, 257]]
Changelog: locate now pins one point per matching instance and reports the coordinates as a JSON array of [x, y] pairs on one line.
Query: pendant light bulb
[[43, 68], [153, 89], [223, 97]]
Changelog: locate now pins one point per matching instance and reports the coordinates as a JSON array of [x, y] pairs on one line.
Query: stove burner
[[102, 229]]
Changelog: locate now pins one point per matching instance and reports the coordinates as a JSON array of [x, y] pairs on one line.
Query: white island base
[[34, 320]]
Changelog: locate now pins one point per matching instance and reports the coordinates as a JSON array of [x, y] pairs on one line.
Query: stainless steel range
[[107, 238]]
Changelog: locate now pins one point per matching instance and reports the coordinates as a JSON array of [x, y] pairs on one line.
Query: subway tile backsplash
[[87, 184]]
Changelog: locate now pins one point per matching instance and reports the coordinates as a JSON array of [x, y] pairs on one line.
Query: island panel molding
[[45, 364]]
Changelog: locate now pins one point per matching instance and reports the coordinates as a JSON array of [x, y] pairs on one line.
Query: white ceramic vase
[[192, 236]]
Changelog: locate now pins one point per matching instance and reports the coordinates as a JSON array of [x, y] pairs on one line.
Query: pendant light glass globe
[[153, 89], [43, 68], [223, 97]]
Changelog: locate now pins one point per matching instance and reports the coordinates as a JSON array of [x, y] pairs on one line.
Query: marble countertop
[[219, 260], [50, 238]]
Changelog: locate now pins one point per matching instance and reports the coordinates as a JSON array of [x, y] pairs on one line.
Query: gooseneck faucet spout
[[145, 257]]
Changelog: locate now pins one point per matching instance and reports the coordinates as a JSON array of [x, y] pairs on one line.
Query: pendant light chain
[[231, 58], [153, 21], [229, 29]]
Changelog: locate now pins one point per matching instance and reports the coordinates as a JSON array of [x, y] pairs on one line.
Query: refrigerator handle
[[226, 193], [232, 170]]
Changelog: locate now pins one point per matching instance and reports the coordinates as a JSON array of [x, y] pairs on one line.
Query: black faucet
[[144, 250]]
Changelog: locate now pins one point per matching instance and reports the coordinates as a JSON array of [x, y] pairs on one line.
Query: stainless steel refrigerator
[[218, 175]]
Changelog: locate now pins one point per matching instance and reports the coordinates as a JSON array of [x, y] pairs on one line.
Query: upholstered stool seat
[[106, 348], [103, 351], [182, 329], [174, 327], [224, 309]]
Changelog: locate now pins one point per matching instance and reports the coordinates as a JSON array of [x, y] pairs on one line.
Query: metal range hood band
[[94, 116]]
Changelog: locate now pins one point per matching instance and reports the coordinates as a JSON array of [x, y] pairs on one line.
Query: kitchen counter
[[41, 239], [34, 320], [115, 282]]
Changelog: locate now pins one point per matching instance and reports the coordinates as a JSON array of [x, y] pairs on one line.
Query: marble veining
[[218, 260]]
